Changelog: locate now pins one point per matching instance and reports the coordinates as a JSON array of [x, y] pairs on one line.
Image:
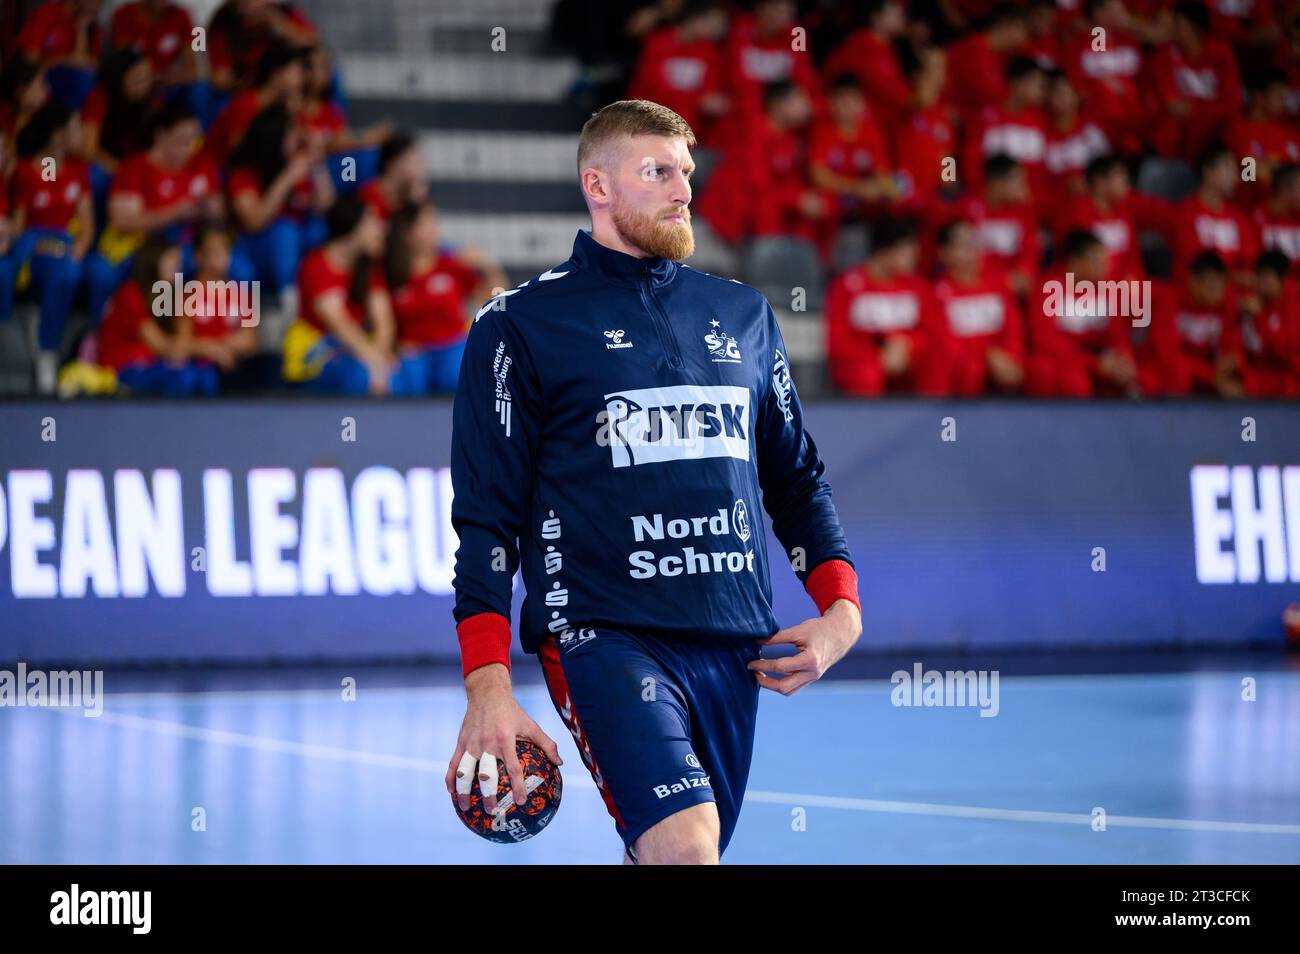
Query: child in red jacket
[[1194, 345], [884, 331], [1270, 331], [1078, 344], [984, 323], [1197, 89]]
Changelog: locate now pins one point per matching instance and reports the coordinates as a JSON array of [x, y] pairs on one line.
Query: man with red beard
[[1194, 345], [617, 394], [984, 322], [1270, 331], [1077, 347], [1113, 212], [884, 330]]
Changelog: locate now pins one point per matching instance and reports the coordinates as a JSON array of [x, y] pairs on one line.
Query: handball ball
[[516, 823], [1291, 623]]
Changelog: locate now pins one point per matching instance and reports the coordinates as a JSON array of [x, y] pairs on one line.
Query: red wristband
[[484, 638], [831, 581]]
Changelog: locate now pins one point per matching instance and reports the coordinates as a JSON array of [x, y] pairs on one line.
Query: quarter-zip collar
[[619, 267]]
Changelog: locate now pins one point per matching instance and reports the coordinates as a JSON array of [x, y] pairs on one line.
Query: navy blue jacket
[[622, 419]]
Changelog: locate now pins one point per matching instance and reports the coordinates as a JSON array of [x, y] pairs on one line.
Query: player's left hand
[[822, 642]]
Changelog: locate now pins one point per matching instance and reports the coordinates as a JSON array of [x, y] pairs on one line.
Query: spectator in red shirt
[[242, 31], [869, 54], [1278, 219], [1270, 330], [1197, 89], [24, 91], [977, 63], [1194, 345], [152, 353], [64, 37], [1249, 25], [54, 220], [1045, 34], [681, 66], [1073, 141], [985, 327], [1005, 221], [1105, 69], [118, 114], [432, 287], [924, 146], [771, 163], [849, 160], [759, 51], [279, 188], [116, 119], [280, 81], [163, 32], [884, 329], [1016, 127], [1286, 57], [223, 326], [323, 115], [401, 181], [343, 339], [1077, 347], [1115, 214], [1207, 220], [1266, 133], [170, 189]]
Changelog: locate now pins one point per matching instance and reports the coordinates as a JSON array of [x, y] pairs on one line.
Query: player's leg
[[721, 696], [722, 699], [688, 837], [628, 716]]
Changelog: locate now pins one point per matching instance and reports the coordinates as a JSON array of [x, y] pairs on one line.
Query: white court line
[[1012, 814], [430, 766], [827, 686]]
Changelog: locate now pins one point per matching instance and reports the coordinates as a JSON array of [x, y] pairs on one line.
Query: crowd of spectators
[[141, 153], [990, 155], [1054, 197]]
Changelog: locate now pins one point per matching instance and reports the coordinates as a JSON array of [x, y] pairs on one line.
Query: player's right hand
[[493, 721]]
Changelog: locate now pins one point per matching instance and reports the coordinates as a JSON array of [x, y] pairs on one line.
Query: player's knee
[[689, 837]]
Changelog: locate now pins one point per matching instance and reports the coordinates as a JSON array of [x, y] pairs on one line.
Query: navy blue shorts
[[662, 724]]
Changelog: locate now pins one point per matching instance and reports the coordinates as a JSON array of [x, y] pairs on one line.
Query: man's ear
[[595, 185]]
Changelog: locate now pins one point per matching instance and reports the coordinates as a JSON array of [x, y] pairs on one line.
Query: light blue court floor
[[1184, 770]]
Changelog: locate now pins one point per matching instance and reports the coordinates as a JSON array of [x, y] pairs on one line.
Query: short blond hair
[[629, 117]]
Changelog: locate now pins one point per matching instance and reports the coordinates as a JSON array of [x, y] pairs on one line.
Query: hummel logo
[[616, 340]]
